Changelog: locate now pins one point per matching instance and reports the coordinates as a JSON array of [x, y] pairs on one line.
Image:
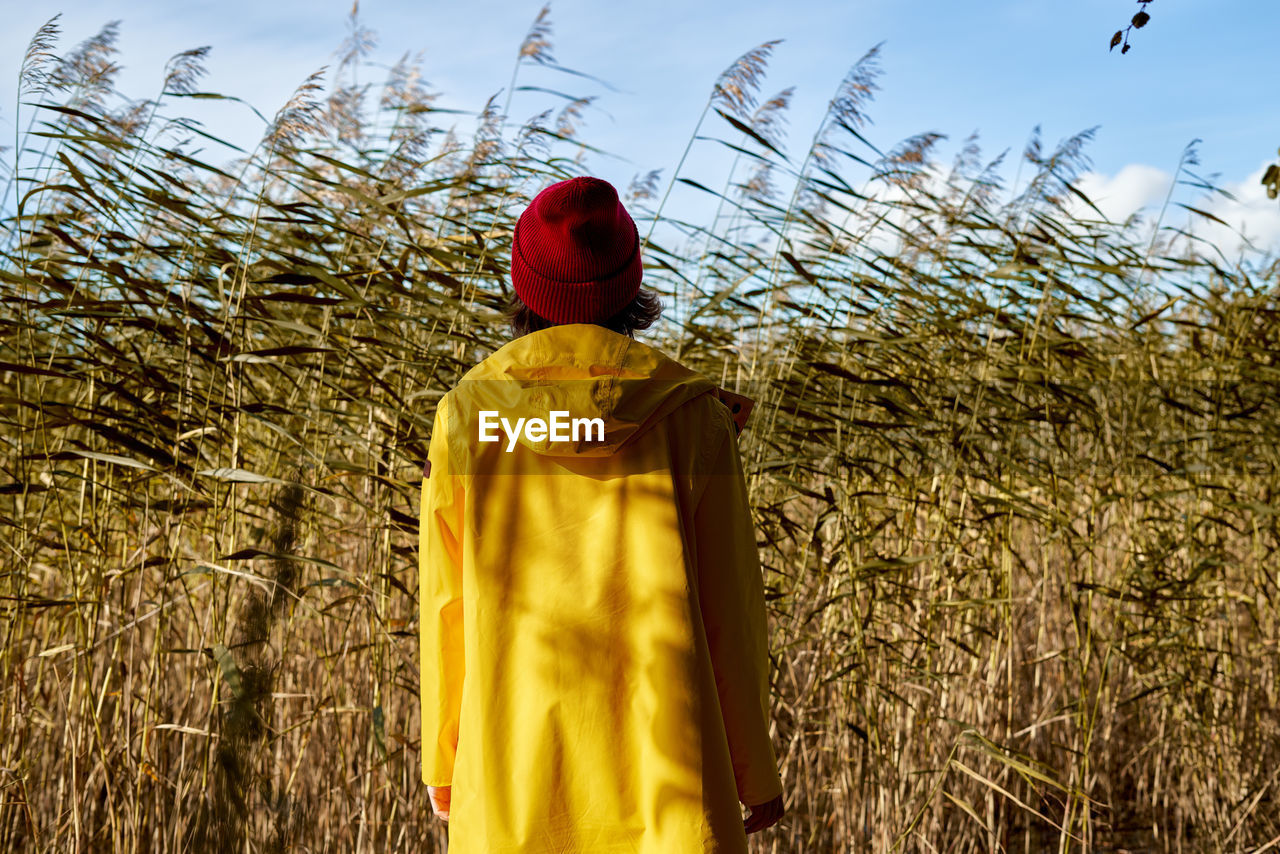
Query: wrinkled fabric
[[593, 637]]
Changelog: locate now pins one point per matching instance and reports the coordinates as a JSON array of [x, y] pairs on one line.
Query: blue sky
[[1197, 70]]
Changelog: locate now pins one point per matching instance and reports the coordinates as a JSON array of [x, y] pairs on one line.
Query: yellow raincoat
[[594, 648]]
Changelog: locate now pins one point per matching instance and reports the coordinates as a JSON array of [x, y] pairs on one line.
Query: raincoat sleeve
[[440, 606], [731, 597]]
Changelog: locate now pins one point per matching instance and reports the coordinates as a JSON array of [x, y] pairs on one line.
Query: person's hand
[[764, 815], [440, 801]]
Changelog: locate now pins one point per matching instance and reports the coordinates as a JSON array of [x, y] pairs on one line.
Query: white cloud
[[1131, 189], [1139, 186], [1252, 214]]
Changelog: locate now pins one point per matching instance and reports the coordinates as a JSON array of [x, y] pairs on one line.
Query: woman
[[594, 647]]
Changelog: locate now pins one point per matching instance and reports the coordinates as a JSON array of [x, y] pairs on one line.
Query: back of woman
[[593, 636]]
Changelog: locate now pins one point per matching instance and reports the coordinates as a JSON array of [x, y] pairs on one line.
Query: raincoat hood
[[581, 369]]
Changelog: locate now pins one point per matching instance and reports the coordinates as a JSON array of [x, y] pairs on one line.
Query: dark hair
[[640, 313]]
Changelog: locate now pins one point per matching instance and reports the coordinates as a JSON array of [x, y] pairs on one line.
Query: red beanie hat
[[575, 254]]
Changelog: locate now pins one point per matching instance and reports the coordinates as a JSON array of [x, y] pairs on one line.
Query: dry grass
[[1017, 504]]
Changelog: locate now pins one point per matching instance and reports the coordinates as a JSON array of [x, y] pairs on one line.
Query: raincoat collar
[[585, 370]]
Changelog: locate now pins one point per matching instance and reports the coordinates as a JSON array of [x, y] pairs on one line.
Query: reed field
[[1013, 465]]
